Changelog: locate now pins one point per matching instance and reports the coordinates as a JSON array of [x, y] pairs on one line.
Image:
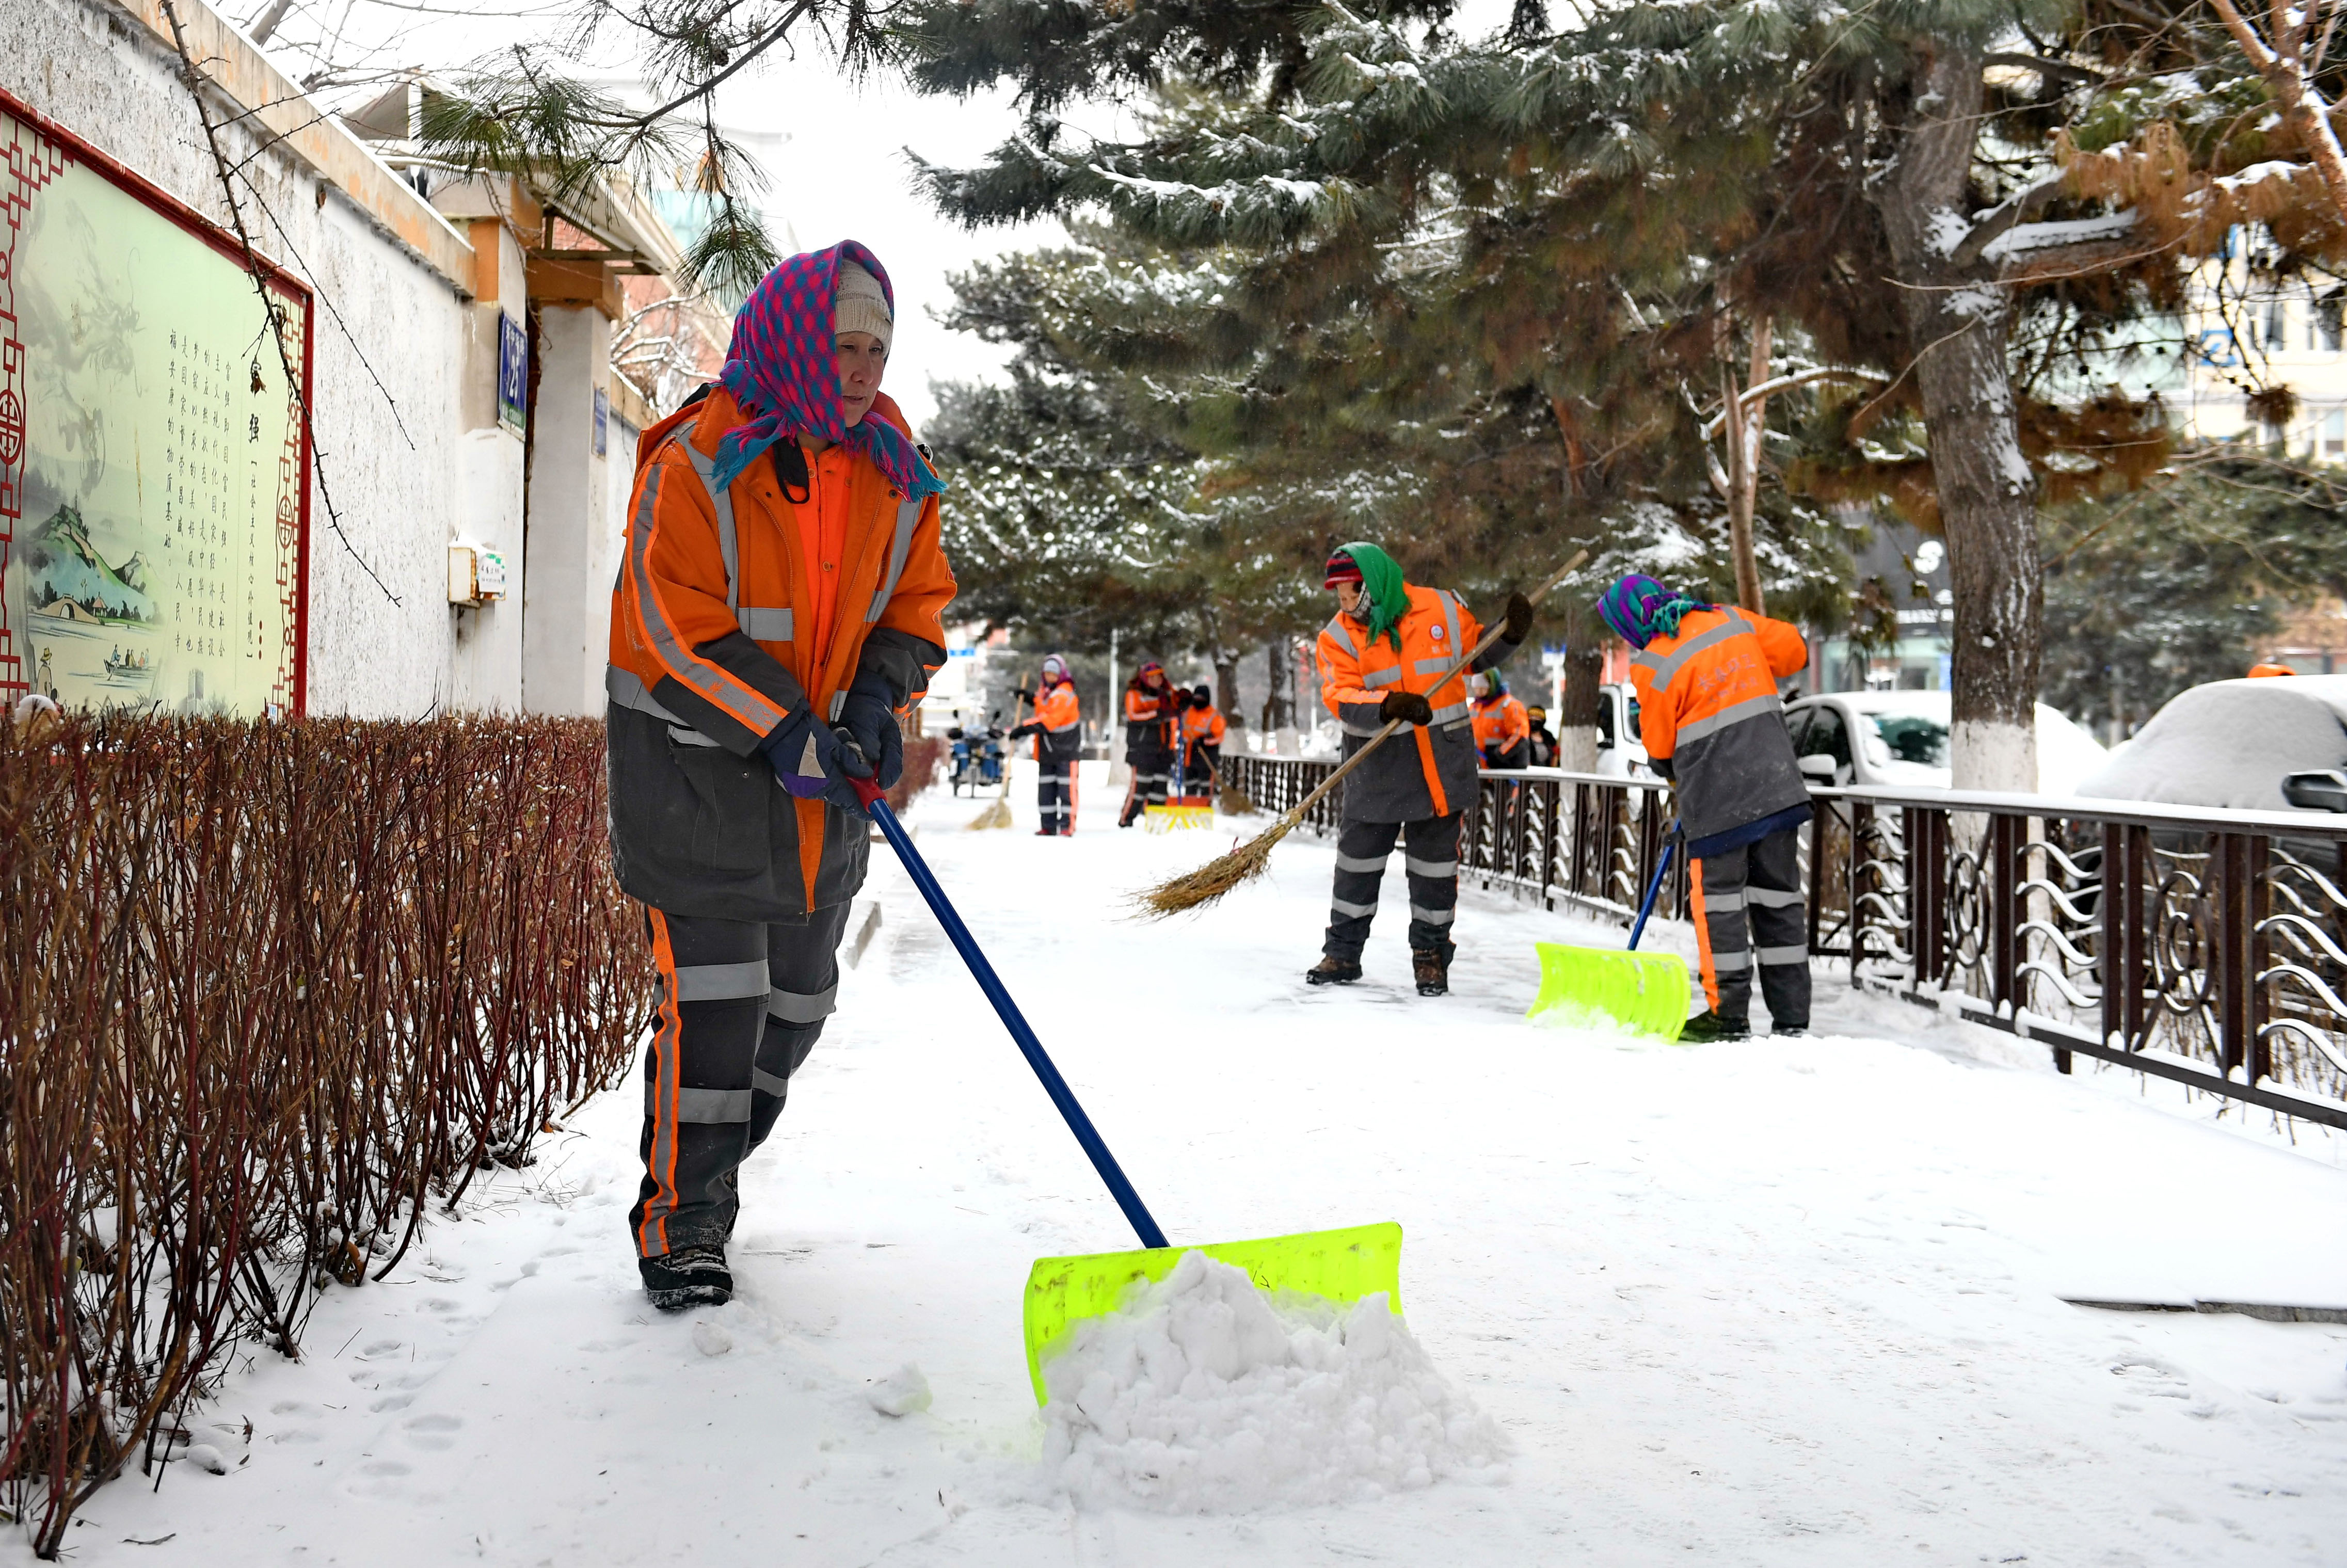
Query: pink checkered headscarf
[[781, 368]]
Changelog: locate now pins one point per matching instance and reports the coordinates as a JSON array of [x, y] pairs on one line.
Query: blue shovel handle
[[990, 983], [1662, 869]]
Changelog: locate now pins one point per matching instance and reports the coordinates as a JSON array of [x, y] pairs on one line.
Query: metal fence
[[2204, 946]]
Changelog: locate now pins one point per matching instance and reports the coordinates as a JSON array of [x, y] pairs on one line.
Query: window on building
[[2334, 434], [2277, 327], [2328, 313]]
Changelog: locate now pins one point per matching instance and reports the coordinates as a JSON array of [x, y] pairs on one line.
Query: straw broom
[[997, 812], [1217, 876]]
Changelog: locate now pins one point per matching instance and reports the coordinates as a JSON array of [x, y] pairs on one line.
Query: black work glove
[[813, 761], [1517, 624], [1410, 707], [1025, 729], [869, 716]]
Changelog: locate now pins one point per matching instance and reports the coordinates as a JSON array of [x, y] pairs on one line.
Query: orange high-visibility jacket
[[1203, 725], [732, 612], [1428, 770], [1708, 709], [1500, 726], [1059, 721], [1150, 719]]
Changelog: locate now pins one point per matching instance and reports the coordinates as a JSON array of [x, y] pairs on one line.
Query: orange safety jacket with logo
[[1503, 730], [717, 639], [1425, 770], [1711, 718], [1150, 719], [1058, 725]]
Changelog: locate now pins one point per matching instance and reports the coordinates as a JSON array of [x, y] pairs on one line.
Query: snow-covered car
[[2275, 743], [1899, 740]]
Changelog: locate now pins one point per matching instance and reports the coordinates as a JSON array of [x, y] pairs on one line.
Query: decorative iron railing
[[2208, 947]]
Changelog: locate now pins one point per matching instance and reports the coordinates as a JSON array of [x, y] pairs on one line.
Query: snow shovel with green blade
[[1343, 1265], [1645, 991]]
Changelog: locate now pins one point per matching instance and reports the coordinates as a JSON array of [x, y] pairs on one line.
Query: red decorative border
[[162, 202]]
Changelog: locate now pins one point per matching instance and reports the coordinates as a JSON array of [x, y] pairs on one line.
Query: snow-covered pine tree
[[1884, 192]]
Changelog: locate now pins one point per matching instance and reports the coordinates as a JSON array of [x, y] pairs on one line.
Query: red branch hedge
[[270, 992]]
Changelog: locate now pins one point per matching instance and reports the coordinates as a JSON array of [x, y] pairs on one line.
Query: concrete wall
[[404, 358]]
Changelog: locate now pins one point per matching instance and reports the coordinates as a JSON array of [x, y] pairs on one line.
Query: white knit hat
[[860, 306]]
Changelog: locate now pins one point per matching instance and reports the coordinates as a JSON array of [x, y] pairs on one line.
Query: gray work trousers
[[1430, 860], [741, 1004], [1748, 906]]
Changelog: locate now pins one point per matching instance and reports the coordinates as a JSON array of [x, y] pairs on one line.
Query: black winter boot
[[1431, 967], [1333, 971], [1709, 1025], [688, 1277]]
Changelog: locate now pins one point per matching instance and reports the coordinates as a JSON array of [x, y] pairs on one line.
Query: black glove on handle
[[1518, 622], [1410, 707]]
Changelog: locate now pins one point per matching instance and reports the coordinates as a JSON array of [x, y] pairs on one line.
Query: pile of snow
[[1205, 1394]]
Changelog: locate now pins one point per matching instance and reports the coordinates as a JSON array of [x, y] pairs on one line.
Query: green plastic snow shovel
[[1645, 991]]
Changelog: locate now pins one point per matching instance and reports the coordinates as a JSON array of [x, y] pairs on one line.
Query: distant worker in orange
[[1705, 677], [1504, 731], [1385, 655], [2266, 668], [1202, 728], [1058, 727], [1152, 717]]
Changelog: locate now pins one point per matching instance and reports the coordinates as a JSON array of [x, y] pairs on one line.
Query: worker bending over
[[1382, 657], [1058, 727], [777, 608], [1705, 677], [1152, 716]]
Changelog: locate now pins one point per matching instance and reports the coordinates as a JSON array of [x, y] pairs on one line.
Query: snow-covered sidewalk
[[1794, 1302]]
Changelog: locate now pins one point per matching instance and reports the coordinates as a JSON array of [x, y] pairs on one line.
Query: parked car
[[2275, 743], [1899, 740], [1620, 752]]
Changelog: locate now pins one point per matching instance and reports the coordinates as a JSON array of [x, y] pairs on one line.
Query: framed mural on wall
[[154, 461]]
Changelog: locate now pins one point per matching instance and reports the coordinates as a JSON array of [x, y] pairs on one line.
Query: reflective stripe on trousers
[[1430, 868], [741, 1005]]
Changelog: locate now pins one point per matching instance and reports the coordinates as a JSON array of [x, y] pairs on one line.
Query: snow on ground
[[1793, 1302]]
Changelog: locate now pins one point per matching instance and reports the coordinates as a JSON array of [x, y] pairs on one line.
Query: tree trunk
[[1226, 687], [1574, 724], [1957, 321], [1279, 699], [1741, 425]]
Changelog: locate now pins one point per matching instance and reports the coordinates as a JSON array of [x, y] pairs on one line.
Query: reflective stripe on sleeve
[[728, 543], [802, 1007], [745, 705], [1381, 677], [1734, 713], [721, 982], [908, 517]]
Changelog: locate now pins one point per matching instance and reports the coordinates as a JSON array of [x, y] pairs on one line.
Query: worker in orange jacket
[[1058, 728], [1383, 657], [1153, 718], [1202, 728], [778, 609], [1503, 729], [1705, 677]]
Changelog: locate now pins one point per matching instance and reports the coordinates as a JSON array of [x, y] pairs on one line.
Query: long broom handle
[[868, 790], [1490, 637]]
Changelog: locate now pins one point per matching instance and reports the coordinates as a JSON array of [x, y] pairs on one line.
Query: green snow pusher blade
[[1342, 1265], [1644, 992]]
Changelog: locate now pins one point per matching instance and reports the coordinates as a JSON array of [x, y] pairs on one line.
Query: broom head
[[1197, 889]]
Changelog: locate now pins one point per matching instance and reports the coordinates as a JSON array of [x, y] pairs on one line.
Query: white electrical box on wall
[[476, 575]]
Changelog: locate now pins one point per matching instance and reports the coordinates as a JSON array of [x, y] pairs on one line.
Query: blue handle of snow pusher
[[1032, 1049], [1662, 869]]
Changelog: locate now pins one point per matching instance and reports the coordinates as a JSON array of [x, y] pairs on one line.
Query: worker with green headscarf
[[1382, 657]]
